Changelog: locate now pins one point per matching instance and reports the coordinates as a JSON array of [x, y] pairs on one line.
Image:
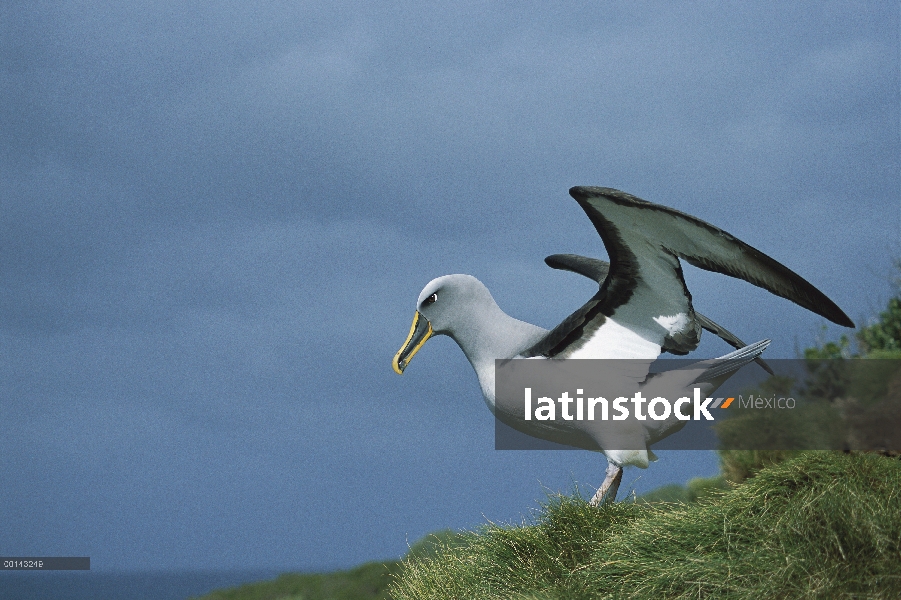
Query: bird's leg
[[610, 485]]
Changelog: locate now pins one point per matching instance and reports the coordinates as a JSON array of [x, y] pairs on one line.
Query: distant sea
[[91, 585]]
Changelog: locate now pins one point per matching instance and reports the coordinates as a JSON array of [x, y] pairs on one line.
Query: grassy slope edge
[[368, 581], [823, 524]]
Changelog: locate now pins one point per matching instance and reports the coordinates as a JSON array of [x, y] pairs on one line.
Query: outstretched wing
[[643, 301], [597, 270], [592, 268]]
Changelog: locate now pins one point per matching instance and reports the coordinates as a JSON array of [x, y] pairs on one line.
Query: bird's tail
[[721, 368]]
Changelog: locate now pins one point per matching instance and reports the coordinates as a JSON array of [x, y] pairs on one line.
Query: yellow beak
[[420, 331]]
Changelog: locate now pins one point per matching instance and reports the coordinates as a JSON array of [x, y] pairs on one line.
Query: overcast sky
[[216, 217]]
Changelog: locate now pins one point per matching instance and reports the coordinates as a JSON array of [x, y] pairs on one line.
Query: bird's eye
[[430, 300]]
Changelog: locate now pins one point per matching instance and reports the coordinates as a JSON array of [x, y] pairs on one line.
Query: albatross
[[642, 309]]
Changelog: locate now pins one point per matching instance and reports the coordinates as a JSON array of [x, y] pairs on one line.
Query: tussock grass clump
[[739, 465], [697, 489], [822, 524], [529, 561]]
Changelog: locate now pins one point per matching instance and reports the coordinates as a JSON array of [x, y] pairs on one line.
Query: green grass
[[821, 525], [369, 581], [699, 488]]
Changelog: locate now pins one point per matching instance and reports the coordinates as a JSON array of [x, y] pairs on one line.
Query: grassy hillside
[[823, 524], [820, 525]]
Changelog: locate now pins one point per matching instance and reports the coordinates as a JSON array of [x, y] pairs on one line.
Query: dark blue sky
[[215, 219]]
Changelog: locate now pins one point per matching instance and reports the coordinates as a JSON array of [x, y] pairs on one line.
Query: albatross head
[[446, 306]]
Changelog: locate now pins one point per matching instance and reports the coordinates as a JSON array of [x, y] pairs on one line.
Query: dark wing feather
[[707, 247], [573, 331], [597, 270], [729, 337], [591, 268], [644, 283]]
